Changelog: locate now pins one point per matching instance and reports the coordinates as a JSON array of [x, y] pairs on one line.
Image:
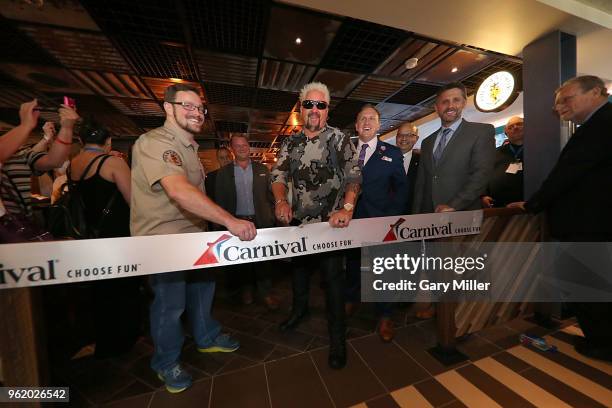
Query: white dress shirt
[[407, 158]]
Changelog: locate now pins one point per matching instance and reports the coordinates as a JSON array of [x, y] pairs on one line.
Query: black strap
[[89, 165], [111, 200], [106, 157]]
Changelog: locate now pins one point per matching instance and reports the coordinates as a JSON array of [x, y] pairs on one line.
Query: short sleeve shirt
[[319, 168], [16, 180], [157, 154]]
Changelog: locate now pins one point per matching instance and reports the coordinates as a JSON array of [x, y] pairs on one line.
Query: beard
[[185, 124], [193, 128], [313, 127]]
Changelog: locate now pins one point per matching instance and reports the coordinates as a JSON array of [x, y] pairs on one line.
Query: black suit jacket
[[263, 200], [577, 193], [209, 184], [411, 176]]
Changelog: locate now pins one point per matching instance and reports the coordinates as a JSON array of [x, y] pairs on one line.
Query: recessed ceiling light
[[298, 41], [455, 69], [411, 63]]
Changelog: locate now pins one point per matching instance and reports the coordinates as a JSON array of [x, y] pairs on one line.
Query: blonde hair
[[315, 86]]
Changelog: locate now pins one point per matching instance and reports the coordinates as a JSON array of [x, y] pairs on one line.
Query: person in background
[[106, 189], [576, 196], [506, 183], [407, 136], [27, 161], [9, 144], [243, 190], [224, 157]]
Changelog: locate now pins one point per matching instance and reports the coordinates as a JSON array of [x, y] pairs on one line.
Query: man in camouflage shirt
[[322, 165]]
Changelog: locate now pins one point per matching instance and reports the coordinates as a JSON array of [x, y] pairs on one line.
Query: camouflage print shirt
[[319, 168]]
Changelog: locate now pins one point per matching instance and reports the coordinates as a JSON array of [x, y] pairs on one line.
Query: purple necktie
[[362, 155]]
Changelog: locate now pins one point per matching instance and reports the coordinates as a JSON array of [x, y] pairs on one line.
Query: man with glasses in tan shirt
[[168, 197]]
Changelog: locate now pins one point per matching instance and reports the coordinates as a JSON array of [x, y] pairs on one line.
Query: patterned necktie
[[441, 145], [362, 154]]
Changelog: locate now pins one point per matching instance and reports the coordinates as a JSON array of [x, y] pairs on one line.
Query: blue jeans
[[176, 292]]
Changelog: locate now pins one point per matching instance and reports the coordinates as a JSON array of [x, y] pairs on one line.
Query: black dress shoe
[[337, 356], [293, 321]]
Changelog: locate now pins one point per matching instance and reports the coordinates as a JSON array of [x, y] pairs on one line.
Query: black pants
[[353, 284], [117, 307], [330, 265], [595, 320]]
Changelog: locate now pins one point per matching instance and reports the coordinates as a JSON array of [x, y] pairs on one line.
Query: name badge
[[514, 168], [385, 158]]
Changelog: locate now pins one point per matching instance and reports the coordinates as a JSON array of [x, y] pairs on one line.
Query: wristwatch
[[348, 206]]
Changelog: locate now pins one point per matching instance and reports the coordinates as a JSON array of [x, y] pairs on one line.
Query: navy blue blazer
[[384, 186]]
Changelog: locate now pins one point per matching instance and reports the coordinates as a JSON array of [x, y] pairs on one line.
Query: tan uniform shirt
[[157, 154]]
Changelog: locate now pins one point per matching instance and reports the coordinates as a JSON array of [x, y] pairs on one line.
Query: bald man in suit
[[406, 137]]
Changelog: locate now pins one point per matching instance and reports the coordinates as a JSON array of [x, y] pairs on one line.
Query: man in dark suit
[[577, 194], [384, 193], [456, 160], [224, 157], [242, 189], [406, 137]]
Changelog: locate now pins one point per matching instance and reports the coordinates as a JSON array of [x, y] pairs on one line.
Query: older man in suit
[[456, 160], [242, 189], [576, 196], [384, 192], [406, 137]]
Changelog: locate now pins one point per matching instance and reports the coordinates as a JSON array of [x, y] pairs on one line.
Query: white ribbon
[[46, 263]]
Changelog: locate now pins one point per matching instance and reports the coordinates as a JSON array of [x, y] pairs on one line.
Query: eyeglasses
[[190, 107], [406, 134], [308, 104]]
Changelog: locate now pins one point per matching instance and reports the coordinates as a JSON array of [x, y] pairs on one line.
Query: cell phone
[[45, 109], [68, 101]]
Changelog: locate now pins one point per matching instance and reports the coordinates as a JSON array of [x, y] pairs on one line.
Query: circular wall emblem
[[496, 92]]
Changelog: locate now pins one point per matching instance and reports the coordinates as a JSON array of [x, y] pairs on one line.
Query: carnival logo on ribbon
[[399, 232], [213, 252], [392, 234]]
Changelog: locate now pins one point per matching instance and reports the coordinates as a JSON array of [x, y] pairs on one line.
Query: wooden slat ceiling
[[115, 58]]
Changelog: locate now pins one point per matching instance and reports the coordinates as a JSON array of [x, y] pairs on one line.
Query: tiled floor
[[272, 369]]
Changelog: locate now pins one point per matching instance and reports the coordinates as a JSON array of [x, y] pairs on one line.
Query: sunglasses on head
[[308, 104]]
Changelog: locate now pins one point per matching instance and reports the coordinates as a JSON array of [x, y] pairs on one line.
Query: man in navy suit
[[384, 192], [406, 137]]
